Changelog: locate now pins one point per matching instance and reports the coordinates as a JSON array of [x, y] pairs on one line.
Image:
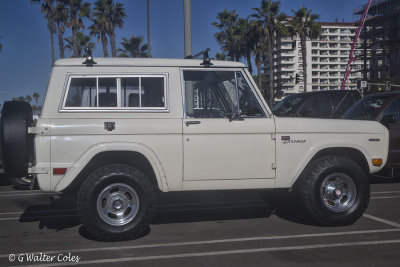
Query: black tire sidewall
[[87, 201], [309, 190], [360, 184]]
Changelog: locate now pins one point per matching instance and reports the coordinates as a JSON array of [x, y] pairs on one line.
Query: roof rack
[[89, 58], [206, 58]]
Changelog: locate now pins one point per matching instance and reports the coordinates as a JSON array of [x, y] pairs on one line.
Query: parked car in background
[[384, 108], [322, 104]]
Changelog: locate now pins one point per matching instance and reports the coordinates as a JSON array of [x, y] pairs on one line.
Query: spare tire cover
[[16, 143]]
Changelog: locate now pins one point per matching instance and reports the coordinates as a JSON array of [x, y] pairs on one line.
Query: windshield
[[288, 105], [366, 108]]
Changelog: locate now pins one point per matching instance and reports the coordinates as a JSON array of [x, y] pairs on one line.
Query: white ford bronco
[[115, 132]]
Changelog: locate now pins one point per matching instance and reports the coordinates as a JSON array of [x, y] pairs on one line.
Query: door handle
[[192, 122]]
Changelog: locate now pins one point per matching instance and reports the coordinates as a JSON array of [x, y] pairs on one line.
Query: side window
[[248, 103], [393, 109], [107, 92], [320, 106], [209, 94], [215, 94], [152, 93], [134, 92], [130, 92], [343, 103], [82, 93]]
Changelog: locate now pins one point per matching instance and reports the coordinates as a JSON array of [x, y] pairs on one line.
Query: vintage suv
[[115, 132]]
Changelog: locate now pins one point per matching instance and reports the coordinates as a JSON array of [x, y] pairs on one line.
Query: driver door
[[227, 134]]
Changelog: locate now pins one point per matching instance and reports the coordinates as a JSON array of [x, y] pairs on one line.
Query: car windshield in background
[[366, 108], [288, 105]]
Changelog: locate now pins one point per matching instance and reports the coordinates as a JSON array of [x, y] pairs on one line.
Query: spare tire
[[16, 143]]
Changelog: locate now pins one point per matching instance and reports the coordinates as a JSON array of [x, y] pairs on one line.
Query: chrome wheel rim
[[338, 192], [117, 204]]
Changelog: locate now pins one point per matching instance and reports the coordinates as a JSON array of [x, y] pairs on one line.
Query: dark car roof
[[329, 92], [395, 93]]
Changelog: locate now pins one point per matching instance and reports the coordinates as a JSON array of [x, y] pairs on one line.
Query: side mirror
[[304, 111], [236, 116], [388, 119]]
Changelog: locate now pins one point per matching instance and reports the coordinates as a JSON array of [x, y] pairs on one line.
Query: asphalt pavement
[[213, 228]]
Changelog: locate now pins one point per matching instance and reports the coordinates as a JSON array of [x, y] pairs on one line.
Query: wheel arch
[[349, 152], [133, 154]]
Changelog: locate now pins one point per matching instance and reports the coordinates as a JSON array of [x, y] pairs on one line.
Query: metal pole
[[148, 28], [188, 27], [352, 57]]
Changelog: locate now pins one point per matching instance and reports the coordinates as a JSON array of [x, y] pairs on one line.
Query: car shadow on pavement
[[239, 205], [181, 207], [58, 214]]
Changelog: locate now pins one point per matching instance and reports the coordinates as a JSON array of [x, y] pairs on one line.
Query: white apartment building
[[327, 59]]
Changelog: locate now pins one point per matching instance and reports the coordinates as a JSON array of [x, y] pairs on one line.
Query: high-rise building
[[380, 49], [327, 59]]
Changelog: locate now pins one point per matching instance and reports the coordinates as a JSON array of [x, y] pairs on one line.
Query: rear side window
[[133, 92], [82, 92]]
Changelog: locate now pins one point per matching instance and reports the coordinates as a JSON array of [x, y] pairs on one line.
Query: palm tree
[[115, 18], [133, 47], [226, 37], [60, 18], [36, 97], [148, 28], [305, 26], [83, 41], [220, 56], [99, 26], [245, 35], [48, 10], [28, 99], [34, 108], [77, 10], [270, 21], [260, 53]]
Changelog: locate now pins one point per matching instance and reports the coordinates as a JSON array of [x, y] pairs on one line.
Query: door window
[[393, 109], [215, 94]]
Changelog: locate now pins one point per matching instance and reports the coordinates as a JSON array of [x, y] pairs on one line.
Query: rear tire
[[16, 144], [115, 202], [335, 191]]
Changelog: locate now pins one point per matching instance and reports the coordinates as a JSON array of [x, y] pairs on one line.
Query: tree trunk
[[75, 41], [304, 57], [259, 78], [112, 43], [52, 48], [248, 56], [148, 28], [104, 43], [271, 71], [60, 41]]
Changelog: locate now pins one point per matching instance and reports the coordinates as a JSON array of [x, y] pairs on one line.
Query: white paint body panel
[[215, 154]]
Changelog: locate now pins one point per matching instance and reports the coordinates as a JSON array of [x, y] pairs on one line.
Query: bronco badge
[[286, 140]]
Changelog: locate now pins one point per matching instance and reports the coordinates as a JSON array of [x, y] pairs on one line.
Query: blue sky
[[25, 61]]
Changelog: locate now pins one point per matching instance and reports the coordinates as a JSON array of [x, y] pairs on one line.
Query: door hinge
[[273, 136], [274, 166]]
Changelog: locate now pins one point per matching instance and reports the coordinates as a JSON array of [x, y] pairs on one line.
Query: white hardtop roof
[[148, 62]]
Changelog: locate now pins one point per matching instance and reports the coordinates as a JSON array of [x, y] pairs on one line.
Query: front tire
[[335, 190], [115, 202]]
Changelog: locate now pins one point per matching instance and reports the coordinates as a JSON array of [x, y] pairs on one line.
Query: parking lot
[[216, 228]]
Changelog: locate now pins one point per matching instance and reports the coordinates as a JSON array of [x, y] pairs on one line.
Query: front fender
[[292, 159]]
